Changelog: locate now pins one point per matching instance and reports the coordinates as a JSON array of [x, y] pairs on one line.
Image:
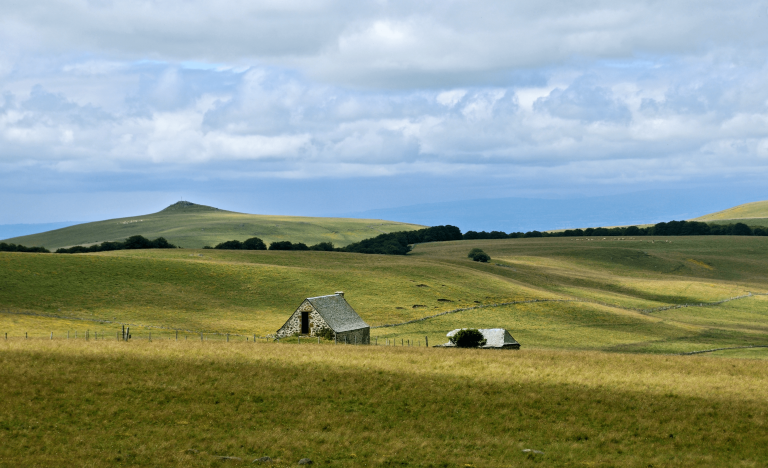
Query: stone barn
[[332, 312]]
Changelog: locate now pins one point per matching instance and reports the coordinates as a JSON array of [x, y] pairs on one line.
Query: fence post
[[426, 342], [355, 340], [128, 333], [335, 339], [177, 335], [377, 341], [299, 337], [201, 336], [318, 340], [254, 337], [227, 337], [25, 335], [51, 335]]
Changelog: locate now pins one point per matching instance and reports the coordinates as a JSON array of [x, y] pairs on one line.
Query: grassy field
[[753, 214], [96, 404], [596, 382], [195, 226], [619, 295]]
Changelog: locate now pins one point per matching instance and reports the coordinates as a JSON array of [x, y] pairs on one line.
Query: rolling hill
[[190, 225], [755, 213], [630, 295]]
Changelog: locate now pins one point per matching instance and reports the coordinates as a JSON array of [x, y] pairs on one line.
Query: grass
[[612, 295], [595, 383], [195, 226], [164, 403], [746, 211]]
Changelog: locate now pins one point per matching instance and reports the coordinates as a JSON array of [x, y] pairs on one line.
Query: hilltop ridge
[[189, 207], [191, 225], [753, 210]]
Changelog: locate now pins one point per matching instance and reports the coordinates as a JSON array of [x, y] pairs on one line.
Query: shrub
[[281, 245], [325, 246], [325, 333], [230, 245], [254, 243], [468, 338], [474, 252], [479, 256], [482, 257]]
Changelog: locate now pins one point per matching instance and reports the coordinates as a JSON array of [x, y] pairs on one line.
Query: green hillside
[[753, 214], [614, 295], [193, 226]]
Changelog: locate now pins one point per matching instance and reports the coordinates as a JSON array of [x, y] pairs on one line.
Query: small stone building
[[334, 312], [498, 338]]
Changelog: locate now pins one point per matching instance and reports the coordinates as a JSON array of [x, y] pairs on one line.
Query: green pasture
[[195, 226], [746, 212], [608, 294]]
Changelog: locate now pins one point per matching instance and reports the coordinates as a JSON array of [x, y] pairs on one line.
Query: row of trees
[[394, 243], [21, 248], [398, 243], [671, 228], [254, 243], [133, 242]]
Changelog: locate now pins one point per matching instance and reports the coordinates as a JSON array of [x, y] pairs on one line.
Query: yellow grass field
[[754, 210], [167, 403]]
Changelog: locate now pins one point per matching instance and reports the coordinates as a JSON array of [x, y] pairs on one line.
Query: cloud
[[557, 94], [384, 44]]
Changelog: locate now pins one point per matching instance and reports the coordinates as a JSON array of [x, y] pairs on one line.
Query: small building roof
[[337, 313], [494, 337]]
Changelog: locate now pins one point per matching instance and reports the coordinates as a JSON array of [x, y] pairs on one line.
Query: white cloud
[[623, 92]]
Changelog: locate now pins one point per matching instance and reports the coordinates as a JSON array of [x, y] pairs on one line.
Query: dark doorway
[[304, 323]]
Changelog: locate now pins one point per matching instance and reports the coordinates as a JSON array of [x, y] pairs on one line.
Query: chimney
[[339, 293]]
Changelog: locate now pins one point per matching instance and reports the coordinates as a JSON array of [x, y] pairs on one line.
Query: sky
[[113, 108]]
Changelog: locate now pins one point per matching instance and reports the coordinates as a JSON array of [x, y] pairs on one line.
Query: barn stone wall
[[293, 325], [363, 336]]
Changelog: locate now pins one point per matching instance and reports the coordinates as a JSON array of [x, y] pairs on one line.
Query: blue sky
[[324, 107]]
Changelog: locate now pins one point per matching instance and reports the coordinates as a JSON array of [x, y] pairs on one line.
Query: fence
[[128, 335]]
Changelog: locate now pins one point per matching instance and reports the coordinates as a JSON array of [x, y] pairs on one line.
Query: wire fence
[[128, 335]]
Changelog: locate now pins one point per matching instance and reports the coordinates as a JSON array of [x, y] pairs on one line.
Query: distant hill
[[751, 213], [190, 225]]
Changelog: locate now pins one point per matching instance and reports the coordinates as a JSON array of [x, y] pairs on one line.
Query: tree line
[[20, 248], [133, 242], [401, 242], [254, 243], [671, 228], [393, 243]]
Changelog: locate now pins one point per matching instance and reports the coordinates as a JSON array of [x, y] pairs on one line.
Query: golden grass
[[757, 209], [146, 404]]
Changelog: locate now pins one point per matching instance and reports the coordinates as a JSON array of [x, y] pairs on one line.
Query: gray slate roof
[[495, 337], [337, 313]]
